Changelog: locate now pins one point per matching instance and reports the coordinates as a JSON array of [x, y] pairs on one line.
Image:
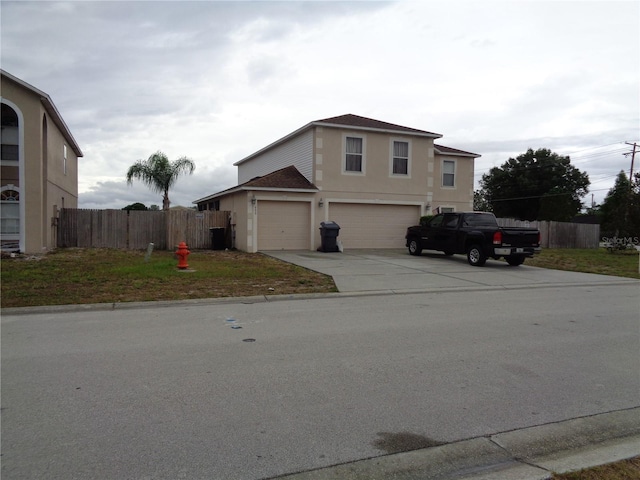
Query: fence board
[[560, 234], [87, 228], [147, 227], [135, 229]]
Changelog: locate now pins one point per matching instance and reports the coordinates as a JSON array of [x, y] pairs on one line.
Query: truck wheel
[[475, 256], [414, 246], [514, 261]]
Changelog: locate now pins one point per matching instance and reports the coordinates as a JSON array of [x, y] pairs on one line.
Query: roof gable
[[288, 177], [442, 150], [49, 107], [356, 121]]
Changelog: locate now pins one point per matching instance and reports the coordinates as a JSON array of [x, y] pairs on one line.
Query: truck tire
[[514, 261], [475, 255], [414, 246]]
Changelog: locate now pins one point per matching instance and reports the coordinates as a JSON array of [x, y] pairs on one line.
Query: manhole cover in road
[[249, 340]]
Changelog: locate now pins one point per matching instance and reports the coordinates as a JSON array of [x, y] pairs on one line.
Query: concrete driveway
[[395, 271]]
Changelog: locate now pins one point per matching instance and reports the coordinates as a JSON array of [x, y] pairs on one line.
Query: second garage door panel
[[373, 226]]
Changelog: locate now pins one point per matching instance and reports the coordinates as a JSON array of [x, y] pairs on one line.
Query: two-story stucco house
[[372, 178], [39, 167]]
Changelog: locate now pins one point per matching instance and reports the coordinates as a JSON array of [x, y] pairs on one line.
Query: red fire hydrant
[[182, 254]]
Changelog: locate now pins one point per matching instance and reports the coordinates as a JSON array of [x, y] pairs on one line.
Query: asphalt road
[[176, 392]]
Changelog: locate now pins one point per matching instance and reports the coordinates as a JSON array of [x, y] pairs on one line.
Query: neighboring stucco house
[[39, 167], [372, 178]]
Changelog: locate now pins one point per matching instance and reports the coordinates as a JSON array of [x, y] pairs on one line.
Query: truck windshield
[[480, 220]]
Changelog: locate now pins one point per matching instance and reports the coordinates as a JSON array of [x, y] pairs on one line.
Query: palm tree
[[159, 173]]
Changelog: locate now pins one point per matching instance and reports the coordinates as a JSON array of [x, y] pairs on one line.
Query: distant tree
[[160, 174], [537, 185], [480, 203], [136, 206], [154, 207], [621, 208]]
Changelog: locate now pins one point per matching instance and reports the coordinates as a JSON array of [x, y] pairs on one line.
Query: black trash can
[[329, 232], [216, 235]]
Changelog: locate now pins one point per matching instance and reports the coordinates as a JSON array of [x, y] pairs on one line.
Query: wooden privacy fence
[[135, 229], [560, 234]]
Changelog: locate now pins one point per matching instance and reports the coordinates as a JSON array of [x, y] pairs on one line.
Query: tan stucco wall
[[376, 184], [377, 177], [236, 203], [44, 185], [459, 197]]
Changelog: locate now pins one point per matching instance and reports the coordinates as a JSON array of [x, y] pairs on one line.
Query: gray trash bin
[[216, 235], [329, 232]]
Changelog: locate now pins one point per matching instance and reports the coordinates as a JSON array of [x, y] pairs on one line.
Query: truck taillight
[[497, 238]]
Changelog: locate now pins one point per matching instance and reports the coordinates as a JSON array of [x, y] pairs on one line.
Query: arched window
[[10, 151], [9, 213]]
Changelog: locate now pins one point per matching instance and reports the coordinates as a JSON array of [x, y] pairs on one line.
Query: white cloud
[[216, 81]]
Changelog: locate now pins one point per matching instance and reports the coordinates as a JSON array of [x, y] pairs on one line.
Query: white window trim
[[450, 209], [21, 173], [12, 236], [455, 174], [400, 175], [363, 170]]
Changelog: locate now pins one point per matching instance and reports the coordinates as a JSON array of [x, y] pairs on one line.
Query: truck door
[[446, 239], [430, 232]]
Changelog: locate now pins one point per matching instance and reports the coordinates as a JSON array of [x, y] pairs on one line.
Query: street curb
[[532, 453], [90, 307]]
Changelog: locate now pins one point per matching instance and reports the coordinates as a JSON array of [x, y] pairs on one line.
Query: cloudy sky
[[216, 81]]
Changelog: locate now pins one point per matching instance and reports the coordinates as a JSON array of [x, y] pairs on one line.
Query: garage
[[373, 226], [283, 225]]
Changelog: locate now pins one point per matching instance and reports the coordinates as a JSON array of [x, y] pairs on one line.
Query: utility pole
[[633, 155]]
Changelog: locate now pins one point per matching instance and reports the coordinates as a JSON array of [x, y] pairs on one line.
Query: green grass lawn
[[622, 263], [80, 276]]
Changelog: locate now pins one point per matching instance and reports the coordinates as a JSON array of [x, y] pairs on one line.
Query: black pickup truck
[[475, 234]]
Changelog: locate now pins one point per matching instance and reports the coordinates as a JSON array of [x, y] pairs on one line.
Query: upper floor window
[[10, 150], [448, 173], [400, 158], [354, 154], [64, 159]]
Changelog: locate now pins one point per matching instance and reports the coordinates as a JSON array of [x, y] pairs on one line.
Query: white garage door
[[283, 225], [373, 226]]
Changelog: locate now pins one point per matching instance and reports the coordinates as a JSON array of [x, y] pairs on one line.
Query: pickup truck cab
[[475, 234]]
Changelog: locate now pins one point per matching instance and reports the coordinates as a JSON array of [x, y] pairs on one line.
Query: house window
[[10, 150], [400, 158], [64, 159], [448, 173], [354, 154], [9, 212]]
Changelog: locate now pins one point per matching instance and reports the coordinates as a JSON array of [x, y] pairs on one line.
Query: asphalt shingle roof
[[364, 122], [288, 177], [453, 151]]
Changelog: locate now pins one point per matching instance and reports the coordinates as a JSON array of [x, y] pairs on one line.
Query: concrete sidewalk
[[533, 453], [395, 271]]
